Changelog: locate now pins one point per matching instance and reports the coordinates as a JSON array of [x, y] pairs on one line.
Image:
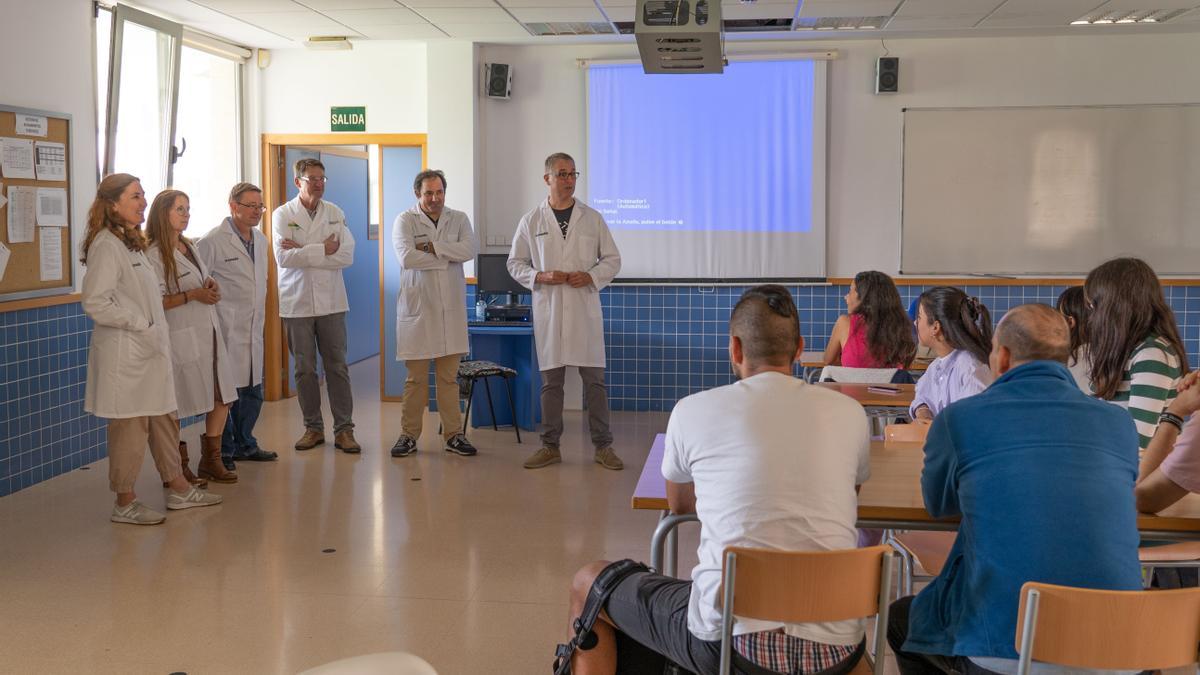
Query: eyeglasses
[[314, 179], [253, 207], [182, 210], [563, 175]]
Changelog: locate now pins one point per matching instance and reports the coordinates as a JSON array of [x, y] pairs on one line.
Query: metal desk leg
[[664, 534]]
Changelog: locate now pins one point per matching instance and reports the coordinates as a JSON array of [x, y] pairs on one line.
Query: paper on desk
[[50, 245], [52, 207], [16, 158], [21, 213], [51, 161], [31, 125], [4, 253]]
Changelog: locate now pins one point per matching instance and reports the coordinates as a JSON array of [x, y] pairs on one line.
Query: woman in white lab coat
[[129, 380], [203, 383]]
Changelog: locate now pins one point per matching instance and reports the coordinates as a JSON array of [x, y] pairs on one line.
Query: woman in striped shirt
[[1137, 356]]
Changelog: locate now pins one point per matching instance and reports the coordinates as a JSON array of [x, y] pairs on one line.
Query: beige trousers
[[127, 439], [416, 395]]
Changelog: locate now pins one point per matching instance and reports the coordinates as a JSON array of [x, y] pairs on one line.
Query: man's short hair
[[235, 195], [1035, 332], [555, 158], [766, 321], [426, 175], [305, 163]]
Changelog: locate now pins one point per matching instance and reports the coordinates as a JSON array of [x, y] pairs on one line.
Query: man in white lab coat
[[432, 242], [564, 253], [235, 254], [312, 247]]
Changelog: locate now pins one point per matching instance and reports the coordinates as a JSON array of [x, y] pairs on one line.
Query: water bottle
[[481, 310]]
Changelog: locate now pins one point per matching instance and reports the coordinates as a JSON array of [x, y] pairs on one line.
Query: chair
[[801, 587], [472, 371], [928, 549], [867, 376], [1113, 630], [1182, 555], [382, 663]]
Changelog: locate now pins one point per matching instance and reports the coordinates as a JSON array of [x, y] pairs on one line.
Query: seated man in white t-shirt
[[768, 462]]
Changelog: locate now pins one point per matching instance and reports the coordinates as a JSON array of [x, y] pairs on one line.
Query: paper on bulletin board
[[50, 250], [16, 158], [4, 254], [52, 207], [31, 125], [3, 199], [21, 216], [51, 161]]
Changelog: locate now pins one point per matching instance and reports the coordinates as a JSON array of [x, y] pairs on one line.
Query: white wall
[[547, 113], [57, 79], [300, 86]]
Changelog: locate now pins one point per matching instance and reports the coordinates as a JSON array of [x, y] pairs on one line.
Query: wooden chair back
[[1117, 630]]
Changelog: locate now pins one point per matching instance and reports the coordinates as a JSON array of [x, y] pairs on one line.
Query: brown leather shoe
[[344, 441], [187, 470], [211, 466], [310, 440]]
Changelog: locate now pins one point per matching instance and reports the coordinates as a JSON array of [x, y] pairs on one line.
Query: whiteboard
[[1050, 190]]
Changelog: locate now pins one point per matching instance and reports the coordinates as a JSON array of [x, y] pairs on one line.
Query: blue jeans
[[238, 439]]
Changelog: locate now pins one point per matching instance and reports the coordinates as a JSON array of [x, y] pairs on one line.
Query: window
[[208, 123]]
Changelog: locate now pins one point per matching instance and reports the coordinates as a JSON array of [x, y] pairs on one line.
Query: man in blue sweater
[[1042, 476]]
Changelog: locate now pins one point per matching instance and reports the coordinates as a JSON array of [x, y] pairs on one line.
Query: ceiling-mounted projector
[[679, 36]]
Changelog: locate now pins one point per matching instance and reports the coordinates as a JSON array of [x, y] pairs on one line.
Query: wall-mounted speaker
[[497, 80], [887, 75]]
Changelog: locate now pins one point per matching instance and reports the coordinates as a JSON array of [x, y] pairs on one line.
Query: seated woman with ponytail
[[958, 328]]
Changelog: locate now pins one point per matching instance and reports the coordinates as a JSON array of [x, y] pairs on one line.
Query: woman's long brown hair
[[1127, 306], [103, 215], [160, 233], [889, 331]]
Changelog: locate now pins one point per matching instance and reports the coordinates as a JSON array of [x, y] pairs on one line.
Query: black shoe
[[258, 455], [229, 465], [459, 445], [405, 446]]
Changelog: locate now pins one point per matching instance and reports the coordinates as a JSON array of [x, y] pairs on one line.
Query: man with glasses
[[236, 256], [313, 246], [564, 253]]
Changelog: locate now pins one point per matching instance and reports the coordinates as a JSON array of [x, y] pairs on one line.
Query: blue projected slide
[[709, 153]]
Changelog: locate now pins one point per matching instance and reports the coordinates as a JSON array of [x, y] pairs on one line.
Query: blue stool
[[471, 371]]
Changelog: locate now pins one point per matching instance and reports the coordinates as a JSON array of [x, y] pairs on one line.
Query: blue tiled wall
[[43, 429], [664, 342]]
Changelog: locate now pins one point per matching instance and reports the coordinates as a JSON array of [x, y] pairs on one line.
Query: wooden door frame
[[274, 187]]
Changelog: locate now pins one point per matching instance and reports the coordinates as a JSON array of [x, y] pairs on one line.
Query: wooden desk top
[[817, 360], [871, 399], [893, 493]]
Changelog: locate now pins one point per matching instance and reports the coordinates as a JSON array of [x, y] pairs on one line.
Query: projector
[[679, 36]]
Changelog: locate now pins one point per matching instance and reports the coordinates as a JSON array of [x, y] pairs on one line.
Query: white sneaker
[[136, 513], [191, 498]]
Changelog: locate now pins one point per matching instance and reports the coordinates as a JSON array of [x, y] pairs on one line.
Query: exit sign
[[348, 118]]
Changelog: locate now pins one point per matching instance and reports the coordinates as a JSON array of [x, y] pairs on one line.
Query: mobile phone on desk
[[883, 389]]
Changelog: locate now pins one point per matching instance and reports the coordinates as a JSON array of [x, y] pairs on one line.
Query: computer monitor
[[491, 276]]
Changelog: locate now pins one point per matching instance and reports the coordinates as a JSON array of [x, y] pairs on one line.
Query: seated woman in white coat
[[129, 378], [203, 383]]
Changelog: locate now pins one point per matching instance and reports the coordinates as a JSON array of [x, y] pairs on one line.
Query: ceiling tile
[[759, 10], [245, 34], [552, 14], [947, 8], [619, 12], [517, 4], [255, 6], [486, 31], [323, 5], [823, 8], [442, 15], [412, 31], [292, 24], [916, 23], [1129, 5], [438, 4], [382, 17]]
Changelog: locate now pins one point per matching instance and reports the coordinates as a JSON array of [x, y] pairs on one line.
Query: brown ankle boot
[[187, 470], [210, 462]]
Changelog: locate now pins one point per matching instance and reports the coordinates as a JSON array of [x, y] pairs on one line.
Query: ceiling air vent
[[570, 28], [757, 25], [841, 23]]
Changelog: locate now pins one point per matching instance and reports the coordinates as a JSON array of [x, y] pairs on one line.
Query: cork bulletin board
[[36, 218]]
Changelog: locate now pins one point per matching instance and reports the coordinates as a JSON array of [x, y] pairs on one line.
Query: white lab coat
[[193, 327], [310, 282], [129, 361], [431, 312], [243, 306], [567, 324]]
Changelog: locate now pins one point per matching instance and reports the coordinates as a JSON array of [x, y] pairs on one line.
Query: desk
[[816, 361], [510, 346], [891, 499]]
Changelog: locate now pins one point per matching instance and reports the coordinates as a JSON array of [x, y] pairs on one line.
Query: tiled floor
[[463, 561]]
